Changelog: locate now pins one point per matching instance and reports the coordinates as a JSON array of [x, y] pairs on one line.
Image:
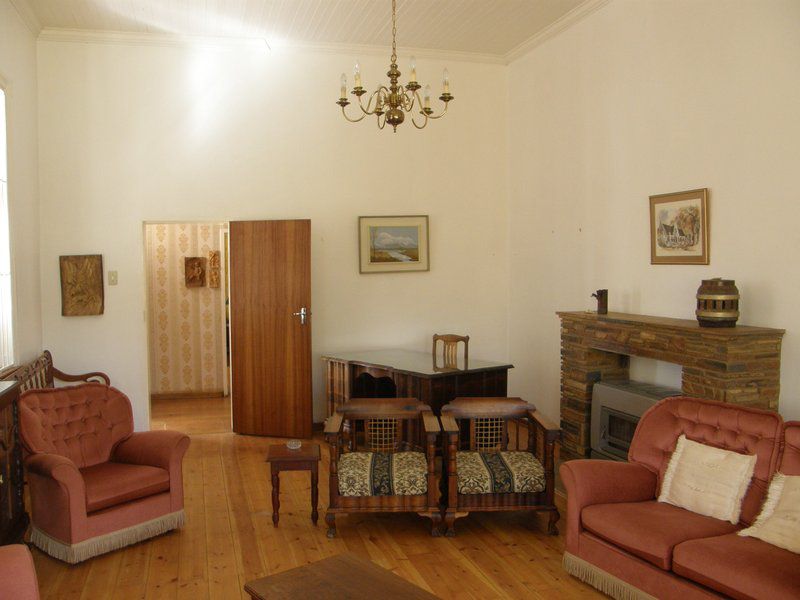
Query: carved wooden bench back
[[40, 373], [35, 374]]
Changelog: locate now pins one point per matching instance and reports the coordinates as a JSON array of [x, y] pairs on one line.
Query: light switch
[[112, 278]]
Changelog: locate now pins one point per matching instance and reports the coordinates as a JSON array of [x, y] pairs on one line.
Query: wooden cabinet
[[13, 518]]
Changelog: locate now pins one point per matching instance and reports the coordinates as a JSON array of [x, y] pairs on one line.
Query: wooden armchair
[[449, 351], [382, 453], [482, 474]]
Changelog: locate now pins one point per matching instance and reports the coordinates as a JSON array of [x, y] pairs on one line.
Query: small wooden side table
[[341, 577], [305, 458]]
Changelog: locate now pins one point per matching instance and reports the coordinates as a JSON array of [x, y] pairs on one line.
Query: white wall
[[145, 133], [643, 98], [18, 79]]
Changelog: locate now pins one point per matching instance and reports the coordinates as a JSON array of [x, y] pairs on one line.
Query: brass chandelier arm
[[441, 114], [361, 118]]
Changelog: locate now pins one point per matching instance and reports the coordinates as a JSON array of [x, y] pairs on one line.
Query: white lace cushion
[[706, 480], [779, 521]]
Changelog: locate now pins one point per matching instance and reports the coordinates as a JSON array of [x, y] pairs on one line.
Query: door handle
[[303, 313]]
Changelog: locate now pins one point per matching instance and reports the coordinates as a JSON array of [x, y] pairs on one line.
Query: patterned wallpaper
[[186, 351]]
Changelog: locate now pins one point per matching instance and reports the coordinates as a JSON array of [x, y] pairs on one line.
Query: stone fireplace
[[739, 364]]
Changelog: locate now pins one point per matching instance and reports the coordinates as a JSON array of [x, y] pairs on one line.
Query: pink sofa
[[628, 545], [96, 485], [17, 573]]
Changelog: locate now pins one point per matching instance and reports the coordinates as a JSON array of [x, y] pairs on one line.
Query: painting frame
[[669, 244], [194, 271], [82, 290], [393, 244]]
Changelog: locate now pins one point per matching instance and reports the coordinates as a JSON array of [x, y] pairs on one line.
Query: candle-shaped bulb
[[357, 74], [343, 83], [427, 96], [446, 81], [413, 67]]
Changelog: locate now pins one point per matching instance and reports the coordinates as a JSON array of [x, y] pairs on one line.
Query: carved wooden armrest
[[57, 374], [551, 431]]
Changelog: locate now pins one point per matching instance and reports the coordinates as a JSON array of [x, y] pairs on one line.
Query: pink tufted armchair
[[96, 485]]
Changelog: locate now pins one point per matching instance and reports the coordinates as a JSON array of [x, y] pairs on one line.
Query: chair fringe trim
[[601, 580], [75, 553]]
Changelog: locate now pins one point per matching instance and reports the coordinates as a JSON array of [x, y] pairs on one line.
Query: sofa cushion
[[650, 530], [779, 521], [730, 427], [706, 480], [740, 567], [498, 472], [382, 474], [81, 422], [109, 484]]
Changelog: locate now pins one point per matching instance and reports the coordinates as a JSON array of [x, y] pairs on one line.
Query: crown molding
[[85, 36], [27, 15], [574, 16], [126, 38]]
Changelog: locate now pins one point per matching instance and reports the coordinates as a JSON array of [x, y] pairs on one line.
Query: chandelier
[[390, 105]]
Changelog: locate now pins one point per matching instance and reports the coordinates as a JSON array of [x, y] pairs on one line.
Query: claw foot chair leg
[[551, 522], [436, 522], [450, 524], [330, 521]]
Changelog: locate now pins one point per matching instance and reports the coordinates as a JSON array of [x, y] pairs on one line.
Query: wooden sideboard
[[13, 518], [409, 374]]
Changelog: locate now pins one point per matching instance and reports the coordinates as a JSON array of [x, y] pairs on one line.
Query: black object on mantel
[[602, 301], [717, 303]]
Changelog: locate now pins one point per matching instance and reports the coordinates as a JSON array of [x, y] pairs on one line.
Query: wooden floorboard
[[229, 538]]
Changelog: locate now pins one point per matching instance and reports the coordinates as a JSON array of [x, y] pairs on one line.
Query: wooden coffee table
[[340, 577], [305, 458]]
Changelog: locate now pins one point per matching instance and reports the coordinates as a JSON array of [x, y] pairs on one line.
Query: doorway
[[229, 327], [188, 350]]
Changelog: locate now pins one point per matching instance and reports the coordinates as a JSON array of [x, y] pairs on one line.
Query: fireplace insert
[[617, 407]]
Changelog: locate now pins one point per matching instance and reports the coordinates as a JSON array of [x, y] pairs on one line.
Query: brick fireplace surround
[[740, 365]]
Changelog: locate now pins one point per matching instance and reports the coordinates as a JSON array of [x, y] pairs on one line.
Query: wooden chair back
[[483, 422], [450, 349], [384, 424]]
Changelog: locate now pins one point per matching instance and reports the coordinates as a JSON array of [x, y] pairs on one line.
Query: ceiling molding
[[28, 16], [85, 36], [574, 16]]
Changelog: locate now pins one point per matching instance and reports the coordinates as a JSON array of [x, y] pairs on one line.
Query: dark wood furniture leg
[[314, 492], [276, 490]]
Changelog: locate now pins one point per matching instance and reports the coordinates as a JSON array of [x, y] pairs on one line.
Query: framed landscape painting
[[679, 228], [393, 244]]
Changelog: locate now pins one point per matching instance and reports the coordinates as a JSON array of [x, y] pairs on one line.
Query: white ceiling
[[488, 27]]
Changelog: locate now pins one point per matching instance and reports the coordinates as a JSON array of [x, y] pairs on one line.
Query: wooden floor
[[229, 539], [192, 415]]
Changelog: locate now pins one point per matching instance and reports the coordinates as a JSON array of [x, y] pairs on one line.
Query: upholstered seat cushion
[[109, 484], [498, 472], [740, 567], [650, 530], [382, 474]]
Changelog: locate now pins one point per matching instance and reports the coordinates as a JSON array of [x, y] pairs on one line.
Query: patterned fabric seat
[[383, 474], [498, 472]]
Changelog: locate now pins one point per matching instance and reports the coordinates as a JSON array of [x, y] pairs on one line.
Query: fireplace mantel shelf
[[738, 364], [684, 325]]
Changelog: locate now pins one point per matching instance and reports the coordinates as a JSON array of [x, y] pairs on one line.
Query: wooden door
[[270, 284]]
